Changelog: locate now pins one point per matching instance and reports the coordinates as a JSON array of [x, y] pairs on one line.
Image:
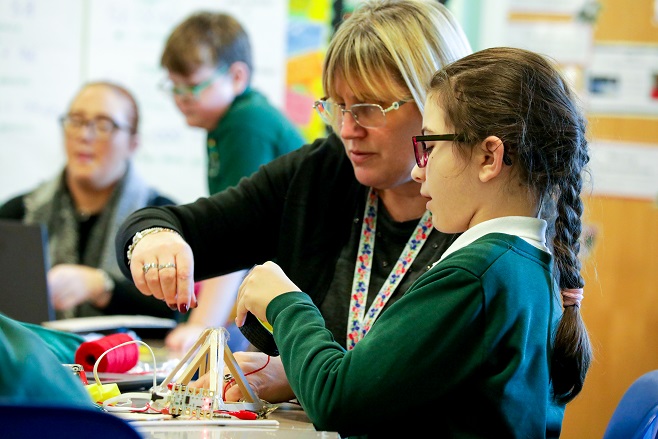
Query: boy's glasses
[[365, 115], [190, 91], [102, 127], [422, 151]]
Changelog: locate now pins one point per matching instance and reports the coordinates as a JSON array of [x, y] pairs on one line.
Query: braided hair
[[521, 97]]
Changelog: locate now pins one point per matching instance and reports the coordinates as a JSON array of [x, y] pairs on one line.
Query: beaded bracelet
[[139, 235]]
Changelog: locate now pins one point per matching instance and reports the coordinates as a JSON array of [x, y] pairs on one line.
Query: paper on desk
[[142, 422], [104, 323], [149, 417]]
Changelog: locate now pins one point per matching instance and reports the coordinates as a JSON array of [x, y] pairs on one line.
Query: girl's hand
[[262, 284]]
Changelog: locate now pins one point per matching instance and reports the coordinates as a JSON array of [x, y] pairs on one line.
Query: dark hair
[[206, 38], [123, 91], [520, 97]]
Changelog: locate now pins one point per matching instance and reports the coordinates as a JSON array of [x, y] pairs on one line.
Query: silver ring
[[168, 265], [147, 267]]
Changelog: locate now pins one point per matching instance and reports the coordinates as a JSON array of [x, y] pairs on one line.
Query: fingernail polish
[[173, 307], [182, 308]]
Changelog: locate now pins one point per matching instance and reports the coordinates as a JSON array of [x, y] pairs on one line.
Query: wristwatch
[[108, 282]]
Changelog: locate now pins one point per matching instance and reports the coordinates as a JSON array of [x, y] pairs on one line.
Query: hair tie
[[119, 360], [572, 297]]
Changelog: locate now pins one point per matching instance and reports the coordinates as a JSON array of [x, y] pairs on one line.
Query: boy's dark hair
[[206, 38]]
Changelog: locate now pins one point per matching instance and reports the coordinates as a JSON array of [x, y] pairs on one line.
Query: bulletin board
[[620, 261], [49, 48], [615, 73]]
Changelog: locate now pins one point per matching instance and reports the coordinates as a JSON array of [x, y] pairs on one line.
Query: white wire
[[126, 398], [97, 379]]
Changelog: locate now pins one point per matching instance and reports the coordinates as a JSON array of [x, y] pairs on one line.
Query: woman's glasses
[[365, 115], [102, 127]]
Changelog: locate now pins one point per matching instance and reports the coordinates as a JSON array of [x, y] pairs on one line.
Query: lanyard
[[359, 322]]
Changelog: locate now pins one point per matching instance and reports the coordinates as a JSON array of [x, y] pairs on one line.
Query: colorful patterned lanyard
[[359, 323]]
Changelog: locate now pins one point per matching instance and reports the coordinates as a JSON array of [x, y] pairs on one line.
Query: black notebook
[[23, 267]]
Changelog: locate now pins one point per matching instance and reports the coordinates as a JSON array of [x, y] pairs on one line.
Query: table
[[293, 423]]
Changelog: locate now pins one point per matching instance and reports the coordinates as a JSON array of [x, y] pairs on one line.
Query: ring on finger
[[147, 267], [167, 265]]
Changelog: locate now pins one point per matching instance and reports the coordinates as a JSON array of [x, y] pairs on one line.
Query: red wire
[[146, 409], [240, 414], [232, 380]]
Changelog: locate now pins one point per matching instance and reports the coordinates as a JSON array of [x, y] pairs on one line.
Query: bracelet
[[139, 235]]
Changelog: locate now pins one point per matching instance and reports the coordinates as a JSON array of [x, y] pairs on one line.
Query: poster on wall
[[623, 80], [624, 169], [569, 42], [309, 30], [566, 7]]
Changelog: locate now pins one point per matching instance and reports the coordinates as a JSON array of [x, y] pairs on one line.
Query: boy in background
[[209, 64]]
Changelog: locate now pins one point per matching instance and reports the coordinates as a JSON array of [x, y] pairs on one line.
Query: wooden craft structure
[[209, 355]]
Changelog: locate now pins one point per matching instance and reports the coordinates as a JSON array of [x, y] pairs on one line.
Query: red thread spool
[[119, 360]]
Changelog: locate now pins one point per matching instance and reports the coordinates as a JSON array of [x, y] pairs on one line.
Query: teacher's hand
[[162, 265]]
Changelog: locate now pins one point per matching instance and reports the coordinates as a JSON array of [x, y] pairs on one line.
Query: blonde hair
[[388, 47]]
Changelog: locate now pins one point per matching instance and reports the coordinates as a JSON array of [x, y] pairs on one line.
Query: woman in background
[[84, 204]]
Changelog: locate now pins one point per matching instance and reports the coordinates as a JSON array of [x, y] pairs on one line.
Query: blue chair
[[636, 415], [61, 422]]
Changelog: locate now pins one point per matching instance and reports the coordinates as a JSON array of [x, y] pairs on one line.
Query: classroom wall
[[49, 48], [613, 72], [43, 60], [615, 41], [621, 272]]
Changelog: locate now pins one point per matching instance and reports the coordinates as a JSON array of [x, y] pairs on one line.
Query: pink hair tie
[[572, 297]]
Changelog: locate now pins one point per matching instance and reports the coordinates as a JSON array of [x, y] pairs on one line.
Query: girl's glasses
[[422, 151]]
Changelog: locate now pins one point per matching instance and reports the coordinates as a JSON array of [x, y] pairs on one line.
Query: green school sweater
[[464, 353]]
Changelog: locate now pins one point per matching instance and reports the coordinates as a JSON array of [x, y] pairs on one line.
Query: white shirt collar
[[531, 230]]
